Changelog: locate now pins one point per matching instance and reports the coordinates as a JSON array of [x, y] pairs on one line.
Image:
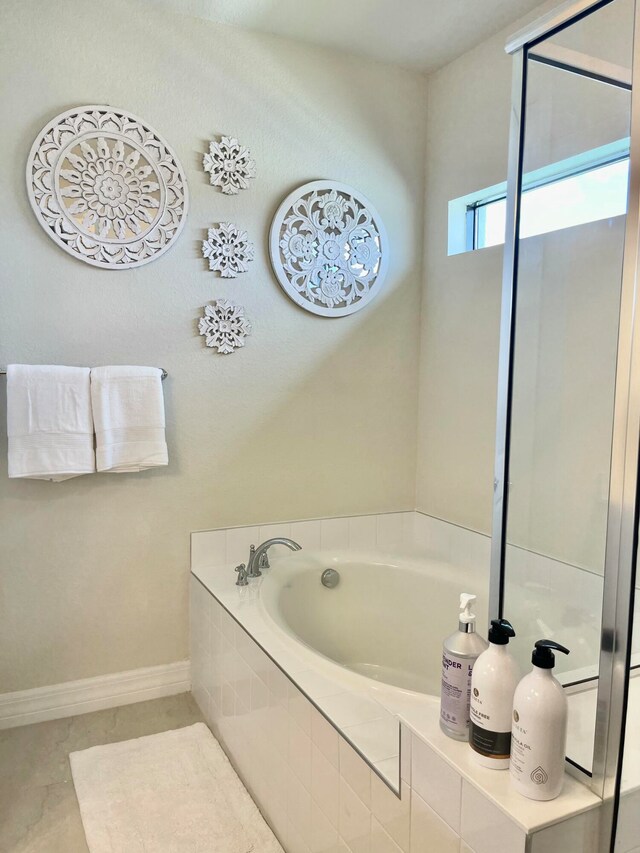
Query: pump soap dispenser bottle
[[539, 728], [459, 653], [494, 680]]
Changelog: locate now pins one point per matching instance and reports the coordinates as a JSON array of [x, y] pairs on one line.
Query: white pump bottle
[[495, 677], [539, 728]]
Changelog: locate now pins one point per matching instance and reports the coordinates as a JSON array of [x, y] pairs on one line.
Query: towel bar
[[164, 372]]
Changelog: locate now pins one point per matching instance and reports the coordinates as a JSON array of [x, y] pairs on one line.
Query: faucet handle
[[254, 569], [263, 562], [242, 575]]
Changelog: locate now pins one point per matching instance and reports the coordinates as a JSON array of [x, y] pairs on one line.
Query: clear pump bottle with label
[[495, 678], [459, 653]]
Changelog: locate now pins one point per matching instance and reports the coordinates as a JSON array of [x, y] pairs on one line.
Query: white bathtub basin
[[385, 619]]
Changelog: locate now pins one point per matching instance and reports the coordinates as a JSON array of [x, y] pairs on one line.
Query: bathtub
[[284, 667], [381, 628], [385, 620]]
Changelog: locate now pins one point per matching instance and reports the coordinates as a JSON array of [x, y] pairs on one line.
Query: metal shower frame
[[622, 522]]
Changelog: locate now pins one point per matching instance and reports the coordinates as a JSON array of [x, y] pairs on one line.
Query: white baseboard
[[93, 694]]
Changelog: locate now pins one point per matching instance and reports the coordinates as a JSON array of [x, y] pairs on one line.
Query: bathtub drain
[[330, 578]]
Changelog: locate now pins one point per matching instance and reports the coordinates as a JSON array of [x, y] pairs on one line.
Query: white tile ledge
[[530, 815]]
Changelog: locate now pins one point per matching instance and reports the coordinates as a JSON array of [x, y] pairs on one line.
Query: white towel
[[128, 411], [49, 422]]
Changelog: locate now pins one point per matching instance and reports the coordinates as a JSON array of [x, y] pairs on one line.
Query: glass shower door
[[553, 520]]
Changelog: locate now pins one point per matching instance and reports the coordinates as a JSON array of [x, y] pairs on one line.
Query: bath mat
[[174, 792]]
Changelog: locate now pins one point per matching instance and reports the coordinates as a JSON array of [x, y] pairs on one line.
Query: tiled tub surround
[[274, 733], [364, 709], [320, 796], [540, 593]]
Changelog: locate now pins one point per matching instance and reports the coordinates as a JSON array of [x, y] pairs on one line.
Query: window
[[585, 188]]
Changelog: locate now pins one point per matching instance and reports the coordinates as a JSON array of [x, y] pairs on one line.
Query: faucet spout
[[259, 558]]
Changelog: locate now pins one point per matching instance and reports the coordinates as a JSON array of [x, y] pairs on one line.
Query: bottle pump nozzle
[[543, 656], [467, 619], [500, 631]]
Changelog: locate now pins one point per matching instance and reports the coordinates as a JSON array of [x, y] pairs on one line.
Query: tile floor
[[38, 807]]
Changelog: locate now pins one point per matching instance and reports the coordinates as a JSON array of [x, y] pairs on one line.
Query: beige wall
[[468, 111], [313, 417]]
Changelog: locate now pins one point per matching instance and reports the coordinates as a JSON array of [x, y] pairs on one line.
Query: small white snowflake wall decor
[[229, 165], [224, 326], [228, 250]]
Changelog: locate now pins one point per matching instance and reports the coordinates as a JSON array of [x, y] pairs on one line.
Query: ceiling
[[418, 34]]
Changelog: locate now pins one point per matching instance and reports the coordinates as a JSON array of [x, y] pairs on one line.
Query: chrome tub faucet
[[259, 559]]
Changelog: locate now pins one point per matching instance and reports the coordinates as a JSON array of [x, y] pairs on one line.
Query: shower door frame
[[622, 522]]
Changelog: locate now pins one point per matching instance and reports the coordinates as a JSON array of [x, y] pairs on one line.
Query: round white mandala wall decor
[[329, 248], [229, 165], [106, 187], [224, 326], [228, 250]]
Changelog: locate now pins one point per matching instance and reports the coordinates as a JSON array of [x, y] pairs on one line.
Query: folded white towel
[[128, 411], [49, 422]]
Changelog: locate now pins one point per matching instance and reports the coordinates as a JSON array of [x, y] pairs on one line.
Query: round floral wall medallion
[[329, 248], [106, 187]]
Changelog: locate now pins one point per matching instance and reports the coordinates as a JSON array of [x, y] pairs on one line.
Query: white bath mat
[[173, 792]]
